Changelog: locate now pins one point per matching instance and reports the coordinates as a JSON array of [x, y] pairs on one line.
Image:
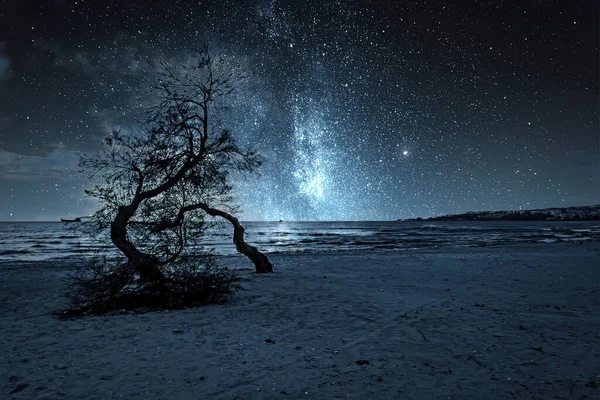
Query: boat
[[70, 220]]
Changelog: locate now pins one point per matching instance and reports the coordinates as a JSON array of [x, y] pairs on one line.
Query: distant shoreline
[[564, 214], [458, 219]]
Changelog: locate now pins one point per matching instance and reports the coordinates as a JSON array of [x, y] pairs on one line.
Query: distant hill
[[579, 213]]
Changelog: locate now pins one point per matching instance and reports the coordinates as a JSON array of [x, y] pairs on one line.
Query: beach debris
[[271, 341], [470, 357], [19, 388], [362, 362], [423, 335], [591, 384], [522, 327], [447, 371]]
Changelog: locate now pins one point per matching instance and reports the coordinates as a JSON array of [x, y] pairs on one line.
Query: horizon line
[[367, 220]]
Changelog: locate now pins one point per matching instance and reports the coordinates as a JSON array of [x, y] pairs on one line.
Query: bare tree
[[158, 185]]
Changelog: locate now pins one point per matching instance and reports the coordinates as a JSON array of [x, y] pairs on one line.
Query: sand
[[458, 323]]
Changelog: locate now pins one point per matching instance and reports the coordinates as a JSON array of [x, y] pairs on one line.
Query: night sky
[[364, 110]]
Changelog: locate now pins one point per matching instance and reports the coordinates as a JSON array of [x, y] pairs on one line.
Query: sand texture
[[457, 323]]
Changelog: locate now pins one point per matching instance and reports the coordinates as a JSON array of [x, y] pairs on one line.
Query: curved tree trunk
[[260, 261], [145, 264]]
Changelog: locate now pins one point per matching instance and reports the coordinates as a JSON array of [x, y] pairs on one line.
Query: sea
[[30, 241]]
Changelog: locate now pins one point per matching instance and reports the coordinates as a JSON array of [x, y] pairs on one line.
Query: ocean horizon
[[41, 240]]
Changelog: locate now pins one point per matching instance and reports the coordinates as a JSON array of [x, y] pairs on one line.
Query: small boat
[[70, 220]]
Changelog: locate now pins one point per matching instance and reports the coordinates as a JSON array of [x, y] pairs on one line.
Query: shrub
[[102, 286]]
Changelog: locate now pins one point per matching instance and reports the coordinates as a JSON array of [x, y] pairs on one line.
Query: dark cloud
[[4, 62]]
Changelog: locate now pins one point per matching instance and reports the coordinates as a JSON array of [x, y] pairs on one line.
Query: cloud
[[60, 164], [4, 62], [126, 55]]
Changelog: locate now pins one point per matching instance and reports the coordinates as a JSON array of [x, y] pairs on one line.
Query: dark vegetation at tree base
[[101, 287]]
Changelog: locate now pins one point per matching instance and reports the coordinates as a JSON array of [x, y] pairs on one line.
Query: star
[[340, 95]]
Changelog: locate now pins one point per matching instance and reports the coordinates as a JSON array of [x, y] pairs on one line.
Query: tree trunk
[[145, 264], [260, 261]]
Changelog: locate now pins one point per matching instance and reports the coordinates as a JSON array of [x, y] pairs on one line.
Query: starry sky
[[364, 110]]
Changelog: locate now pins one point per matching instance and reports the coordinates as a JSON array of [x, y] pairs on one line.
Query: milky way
[[363, 110]]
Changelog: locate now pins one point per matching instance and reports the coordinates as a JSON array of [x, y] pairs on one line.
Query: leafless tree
[[157, 186]]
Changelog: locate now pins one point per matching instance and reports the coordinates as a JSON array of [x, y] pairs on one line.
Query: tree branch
[[261, 262], [138, 190]]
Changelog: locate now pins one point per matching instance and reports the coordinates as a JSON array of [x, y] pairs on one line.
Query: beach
[[498, 322]]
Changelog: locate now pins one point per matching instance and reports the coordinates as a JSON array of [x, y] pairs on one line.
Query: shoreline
[[30, 242], [498, 321]]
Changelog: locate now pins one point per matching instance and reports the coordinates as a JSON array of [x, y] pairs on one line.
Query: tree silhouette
[[158, 185]]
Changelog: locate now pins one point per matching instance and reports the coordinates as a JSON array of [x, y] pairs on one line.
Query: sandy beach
[[497, 322]]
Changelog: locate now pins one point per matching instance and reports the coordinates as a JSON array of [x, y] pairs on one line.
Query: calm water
[[46, 240]]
